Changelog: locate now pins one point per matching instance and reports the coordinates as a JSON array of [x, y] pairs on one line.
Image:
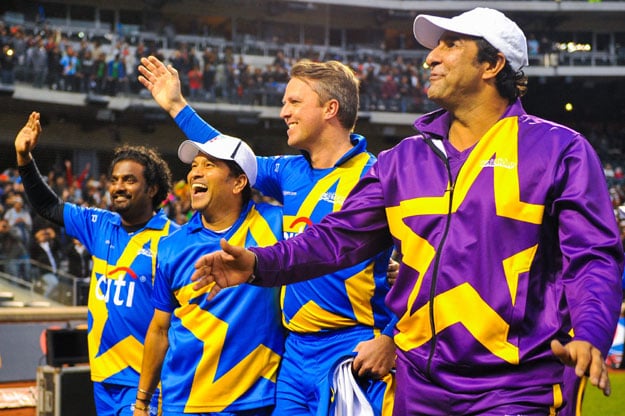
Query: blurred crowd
[[47, 58], [42, 254]]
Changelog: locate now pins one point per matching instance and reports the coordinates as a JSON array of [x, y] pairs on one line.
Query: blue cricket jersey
[[120, 293], [347, 298], [224, 353]]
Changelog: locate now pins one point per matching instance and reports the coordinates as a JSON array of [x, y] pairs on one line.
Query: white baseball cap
[[490, 24], [222, 147]]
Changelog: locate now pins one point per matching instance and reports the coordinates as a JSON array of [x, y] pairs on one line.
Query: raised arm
[[27, 139], [163, 82], [43, 199]]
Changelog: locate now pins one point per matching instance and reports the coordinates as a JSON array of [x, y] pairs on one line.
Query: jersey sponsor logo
[[115, 288], [499, 163], [128, 270], [301, 220], [332, 197], [298, 224], [145, 252]]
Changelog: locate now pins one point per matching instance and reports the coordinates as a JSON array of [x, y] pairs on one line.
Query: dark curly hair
[[510, 84], [155, 169]]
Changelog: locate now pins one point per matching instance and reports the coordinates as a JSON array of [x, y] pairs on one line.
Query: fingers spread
[[147, 84]]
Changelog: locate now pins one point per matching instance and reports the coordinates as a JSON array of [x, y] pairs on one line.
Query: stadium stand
[[234, 55]]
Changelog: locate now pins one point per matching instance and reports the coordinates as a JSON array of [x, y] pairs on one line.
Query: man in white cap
[[215, 356], [505, 243]]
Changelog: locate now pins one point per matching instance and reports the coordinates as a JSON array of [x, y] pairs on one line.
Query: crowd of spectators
[[47, 58]]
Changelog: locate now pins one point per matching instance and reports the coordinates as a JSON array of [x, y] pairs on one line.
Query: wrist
[[144, 396], [141, 407], [24, 159], [177, 106], [252, 276]]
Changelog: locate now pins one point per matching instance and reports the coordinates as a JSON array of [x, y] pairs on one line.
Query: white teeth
[[199, 186]]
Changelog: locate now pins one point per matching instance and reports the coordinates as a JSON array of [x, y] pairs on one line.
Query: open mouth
[[198, 189]]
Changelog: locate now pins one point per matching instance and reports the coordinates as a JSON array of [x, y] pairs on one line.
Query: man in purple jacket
[[505, 230]]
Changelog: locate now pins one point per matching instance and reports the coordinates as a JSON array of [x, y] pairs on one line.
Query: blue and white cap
[[222, 147]]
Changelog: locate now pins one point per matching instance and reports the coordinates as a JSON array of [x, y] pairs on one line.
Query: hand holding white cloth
[[349, 399]]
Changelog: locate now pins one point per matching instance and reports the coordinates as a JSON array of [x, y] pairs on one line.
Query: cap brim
[[223, 148], [187, 151], [429, 29]]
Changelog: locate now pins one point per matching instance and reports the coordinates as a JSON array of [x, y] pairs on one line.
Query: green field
[[596, 404]]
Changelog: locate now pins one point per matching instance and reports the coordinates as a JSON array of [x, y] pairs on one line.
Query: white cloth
[[349, 399]]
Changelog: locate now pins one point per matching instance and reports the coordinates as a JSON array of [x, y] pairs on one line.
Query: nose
[[285, 111], [432, 59], [198, 170], [115, 184], [193, 173]]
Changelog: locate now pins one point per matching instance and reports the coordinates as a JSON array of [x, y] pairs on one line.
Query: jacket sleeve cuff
[[389, 329]]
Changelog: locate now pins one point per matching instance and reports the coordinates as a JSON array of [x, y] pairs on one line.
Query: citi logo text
[[115, 287]]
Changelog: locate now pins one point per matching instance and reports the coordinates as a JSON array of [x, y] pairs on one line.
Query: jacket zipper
[[437, 258]]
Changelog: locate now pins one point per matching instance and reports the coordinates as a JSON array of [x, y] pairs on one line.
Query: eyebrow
[[123, 176]]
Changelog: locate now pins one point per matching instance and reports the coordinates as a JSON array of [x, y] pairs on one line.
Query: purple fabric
[[526, 246]]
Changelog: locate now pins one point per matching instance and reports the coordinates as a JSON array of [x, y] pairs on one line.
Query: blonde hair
[[333, 81]]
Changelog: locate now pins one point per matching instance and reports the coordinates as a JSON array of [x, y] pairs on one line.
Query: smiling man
[[123, 243], [342, 313], [211, 357]]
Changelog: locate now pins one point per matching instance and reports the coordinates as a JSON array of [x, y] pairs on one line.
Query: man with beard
[[123, 244]]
